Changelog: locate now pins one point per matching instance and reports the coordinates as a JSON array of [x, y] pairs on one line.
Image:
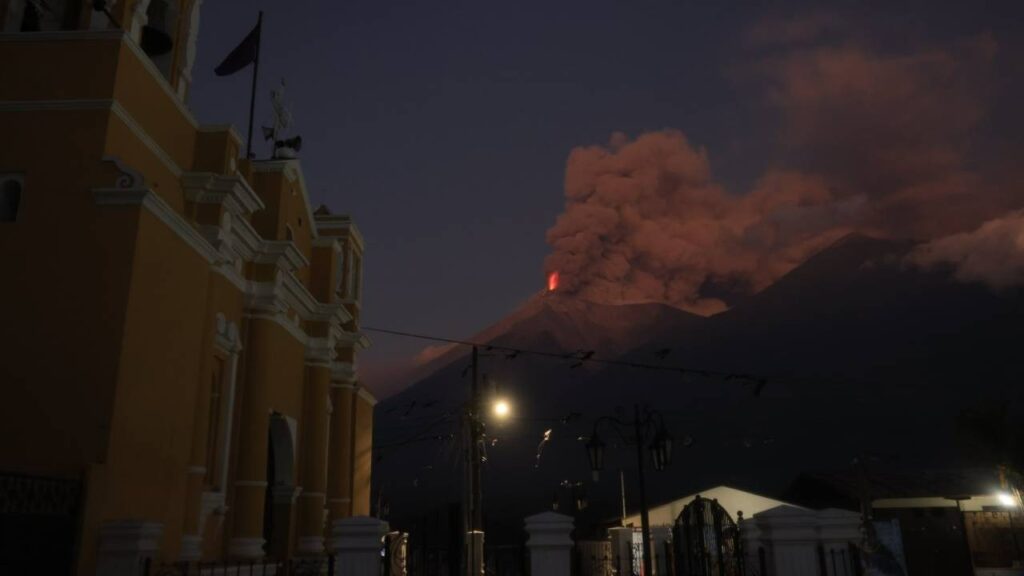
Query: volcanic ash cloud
[[881, 142]]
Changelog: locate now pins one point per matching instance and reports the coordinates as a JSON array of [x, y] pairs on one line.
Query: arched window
[[10, 198]]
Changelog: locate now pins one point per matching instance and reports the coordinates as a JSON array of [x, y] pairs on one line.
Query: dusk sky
[[445, 127]]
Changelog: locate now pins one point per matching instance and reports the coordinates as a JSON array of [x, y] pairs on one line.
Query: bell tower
[[165, 30]]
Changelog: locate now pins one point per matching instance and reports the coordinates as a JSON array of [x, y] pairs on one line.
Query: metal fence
[[314, 566]]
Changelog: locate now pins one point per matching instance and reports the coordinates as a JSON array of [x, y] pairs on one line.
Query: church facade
[[180, 326]]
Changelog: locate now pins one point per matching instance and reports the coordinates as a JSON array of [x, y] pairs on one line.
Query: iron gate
[[707, 541]]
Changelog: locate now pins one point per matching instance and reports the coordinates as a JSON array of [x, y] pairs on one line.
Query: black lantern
[[595, 451], [666, 447], [579, 495], [661, 450]]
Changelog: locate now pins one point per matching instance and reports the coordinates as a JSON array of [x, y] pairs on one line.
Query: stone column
[[356, 543], [837, 529], [339, 462], [314, 461], [550, 544], [125, 544], [362, 451], [622, 543], [251, 471], [793, 533], [661, 538]]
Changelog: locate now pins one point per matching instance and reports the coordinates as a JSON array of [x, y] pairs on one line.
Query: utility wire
[[580, 357]]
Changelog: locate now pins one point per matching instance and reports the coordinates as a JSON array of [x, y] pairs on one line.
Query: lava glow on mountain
[[553, 281]]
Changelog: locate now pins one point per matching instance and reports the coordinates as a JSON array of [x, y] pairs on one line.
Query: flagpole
[[255, 74]]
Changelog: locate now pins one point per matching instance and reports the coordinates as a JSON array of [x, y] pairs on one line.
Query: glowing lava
[[553, 281]]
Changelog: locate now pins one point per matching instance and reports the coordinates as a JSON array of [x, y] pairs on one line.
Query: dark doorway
[[277, 503]]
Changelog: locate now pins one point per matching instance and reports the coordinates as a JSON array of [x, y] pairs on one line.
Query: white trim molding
[[156, 205], [343, 375], [110, 34], [365, 394], [292, 171], [320, 352], [113, 106], [232, 191], [342, 226]]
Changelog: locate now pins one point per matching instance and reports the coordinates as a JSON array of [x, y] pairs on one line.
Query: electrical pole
[[645, 522], [474, 512]]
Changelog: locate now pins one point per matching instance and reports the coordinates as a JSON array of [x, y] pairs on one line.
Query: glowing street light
[[1006, 500], [502, 409]]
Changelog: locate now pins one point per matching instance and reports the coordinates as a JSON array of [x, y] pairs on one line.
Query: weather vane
[[282, 120]]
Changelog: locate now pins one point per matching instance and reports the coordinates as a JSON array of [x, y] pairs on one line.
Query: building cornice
[[231, 191], [354, 339], [367, 396], [327, 242], [113, 106], [156, 205], [320, 352], [292, 170], [114, 34], [229, 128], [326, 223], [343, 374], [283, 253]]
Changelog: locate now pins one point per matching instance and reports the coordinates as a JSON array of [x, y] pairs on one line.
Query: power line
[[579, 357]]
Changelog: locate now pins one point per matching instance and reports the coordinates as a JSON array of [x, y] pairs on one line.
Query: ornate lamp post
[[646, 428]]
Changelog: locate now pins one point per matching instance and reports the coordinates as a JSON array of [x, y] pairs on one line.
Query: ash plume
[[873, 142]]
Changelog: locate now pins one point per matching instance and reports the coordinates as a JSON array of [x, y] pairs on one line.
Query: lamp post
[[646, 428], [576, 490]]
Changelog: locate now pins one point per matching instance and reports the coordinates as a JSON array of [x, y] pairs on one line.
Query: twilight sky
[[445, 128]]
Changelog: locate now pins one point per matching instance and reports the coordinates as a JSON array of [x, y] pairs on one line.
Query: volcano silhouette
[[852, 353]]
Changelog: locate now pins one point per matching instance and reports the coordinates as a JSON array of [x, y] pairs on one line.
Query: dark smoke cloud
[[875, 142]]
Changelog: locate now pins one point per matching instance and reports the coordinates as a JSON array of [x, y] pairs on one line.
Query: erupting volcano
[[553, 281]]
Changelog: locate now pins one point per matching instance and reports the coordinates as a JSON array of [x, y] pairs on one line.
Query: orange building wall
[[73, 252], [110, 314], [362, 456]]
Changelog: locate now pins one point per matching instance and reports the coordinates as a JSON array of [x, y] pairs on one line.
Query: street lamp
[[501, 408], [646, 428], [661, 450], [577, 491]]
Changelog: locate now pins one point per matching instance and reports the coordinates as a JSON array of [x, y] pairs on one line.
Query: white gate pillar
[[125, 544], [622, 548], [550, 544], [661, 538], [356, 543]]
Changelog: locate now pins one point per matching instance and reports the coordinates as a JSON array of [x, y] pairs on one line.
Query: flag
[[243, 54]]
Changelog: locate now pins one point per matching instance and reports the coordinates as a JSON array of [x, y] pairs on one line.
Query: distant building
[[738, 532], [952, 522], [179, 331]]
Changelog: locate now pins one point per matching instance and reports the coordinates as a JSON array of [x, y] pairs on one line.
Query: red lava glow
[[553, 281]]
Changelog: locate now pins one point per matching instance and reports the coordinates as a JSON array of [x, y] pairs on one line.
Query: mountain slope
[[860, 354]]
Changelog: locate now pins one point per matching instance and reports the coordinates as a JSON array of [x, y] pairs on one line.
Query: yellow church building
[[180, 327]]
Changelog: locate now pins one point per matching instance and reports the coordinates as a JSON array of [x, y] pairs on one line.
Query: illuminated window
[[10, 198]]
